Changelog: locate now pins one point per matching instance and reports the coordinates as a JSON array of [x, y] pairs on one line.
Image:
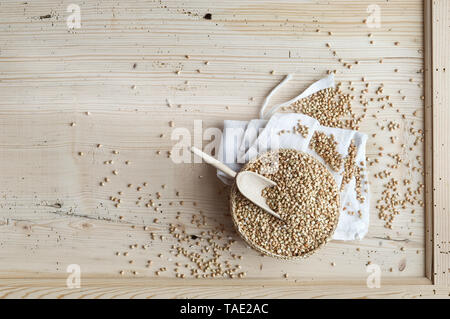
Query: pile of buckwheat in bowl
[[306, 198]]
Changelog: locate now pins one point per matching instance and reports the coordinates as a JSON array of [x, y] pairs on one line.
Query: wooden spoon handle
[[211, 160]]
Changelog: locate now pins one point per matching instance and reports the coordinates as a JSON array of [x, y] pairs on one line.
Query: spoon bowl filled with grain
[[306, 197]]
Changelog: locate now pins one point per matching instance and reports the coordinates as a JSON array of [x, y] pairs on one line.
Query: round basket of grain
[[306, 198]]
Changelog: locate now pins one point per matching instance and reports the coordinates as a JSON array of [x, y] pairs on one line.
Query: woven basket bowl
[[235, 191]]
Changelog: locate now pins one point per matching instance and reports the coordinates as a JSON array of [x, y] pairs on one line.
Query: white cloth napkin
[[244, 140]]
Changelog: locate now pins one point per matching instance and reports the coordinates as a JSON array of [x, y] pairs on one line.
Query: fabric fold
[[242, 141]]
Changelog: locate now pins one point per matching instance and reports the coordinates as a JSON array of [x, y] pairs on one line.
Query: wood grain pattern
[[428, 118], [54, 213], [441, 140], [151, 288]]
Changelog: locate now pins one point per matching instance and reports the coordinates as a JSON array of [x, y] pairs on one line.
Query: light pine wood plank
[[428, 114], [53, 211], [441, 145], [107, 288]]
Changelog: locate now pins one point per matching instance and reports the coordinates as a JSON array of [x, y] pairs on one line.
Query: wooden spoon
[[249, 183]]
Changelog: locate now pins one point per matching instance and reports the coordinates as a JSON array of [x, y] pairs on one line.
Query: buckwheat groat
[[325, 146], [349, 165], [301, 129], [306, 197]]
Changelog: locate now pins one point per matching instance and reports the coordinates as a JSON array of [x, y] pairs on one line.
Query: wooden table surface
[[116, 79]]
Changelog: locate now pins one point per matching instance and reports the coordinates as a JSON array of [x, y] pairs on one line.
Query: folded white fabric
[[243, 141]]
